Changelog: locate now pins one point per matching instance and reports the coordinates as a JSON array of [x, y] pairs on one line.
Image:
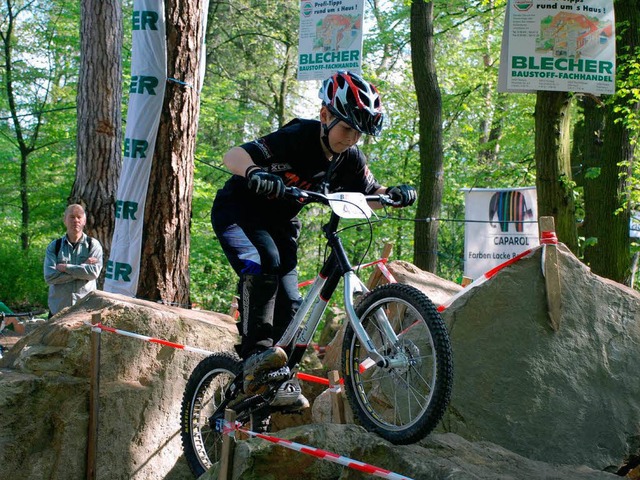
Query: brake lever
[[298, 195]]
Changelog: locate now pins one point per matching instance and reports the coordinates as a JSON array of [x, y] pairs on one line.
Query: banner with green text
[[561, 45], [146, 96], [330, 37]]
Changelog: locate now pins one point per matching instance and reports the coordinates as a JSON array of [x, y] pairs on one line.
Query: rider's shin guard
[[257, 303]]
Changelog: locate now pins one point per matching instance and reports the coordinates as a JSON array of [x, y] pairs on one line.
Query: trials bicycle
[[396, 353]]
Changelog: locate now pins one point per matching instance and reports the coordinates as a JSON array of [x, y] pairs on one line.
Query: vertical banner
[[330, 37], [500, 224], [561, 45], [146, 95], [634, 226]]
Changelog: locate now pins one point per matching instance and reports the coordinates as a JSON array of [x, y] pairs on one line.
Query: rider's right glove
[[402, 195], [265, 183]]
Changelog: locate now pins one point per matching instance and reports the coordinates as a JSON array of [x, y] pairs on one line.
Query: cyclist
[[258, 229]]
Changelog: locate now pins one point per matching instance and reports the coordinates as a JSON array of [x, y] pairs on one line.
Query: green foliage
[[250, 88], [22, 285]]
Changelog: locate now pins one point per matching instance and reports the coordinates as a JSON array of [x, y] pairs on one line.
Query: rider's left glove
[[265, 183], [402, 195]]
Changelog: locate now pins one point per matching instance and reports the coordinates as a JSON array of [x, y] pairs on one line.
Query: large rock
[[567, 396], [44, 391], [437, 457]]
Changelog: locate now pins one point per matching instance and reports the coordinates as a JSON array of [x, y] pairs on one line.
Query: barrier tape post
[[375, 276], [550, 269], [94, 398], [228, 447], [337, 401]]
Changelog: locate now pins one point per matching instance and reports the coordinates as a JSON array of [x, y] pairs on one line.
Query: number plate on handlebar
[[349, 205]]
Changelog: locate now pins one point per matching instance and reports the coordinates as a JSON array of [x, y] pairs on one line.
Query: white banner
[[634, 225], [561, 45], [330, 37], [146, 95], [500, 224]]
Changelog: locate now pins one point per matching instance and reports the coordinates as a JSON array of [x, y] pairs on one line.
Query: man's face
[[75, 220]]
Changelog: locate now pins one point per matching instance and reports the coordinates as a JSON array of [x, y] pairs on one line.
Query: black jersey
[[293, 152]]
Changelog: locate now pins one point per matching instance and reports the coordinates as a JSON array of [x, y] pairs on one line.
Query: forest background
[[488, 138]]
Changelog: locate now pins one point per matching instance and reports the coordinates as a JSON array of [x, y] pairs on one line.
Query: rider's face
[[341, 136]]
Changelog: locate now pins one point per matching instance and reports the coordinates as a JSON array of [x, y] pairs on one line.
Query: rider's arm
[[237, 160]]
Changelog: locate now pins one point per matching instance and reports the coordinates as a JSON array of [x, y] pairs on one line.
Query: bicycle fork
[[352, 286]]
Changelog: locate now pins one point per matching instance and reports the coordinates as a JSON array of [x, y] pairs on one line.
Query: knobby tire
[[203, 394], [401, 404]]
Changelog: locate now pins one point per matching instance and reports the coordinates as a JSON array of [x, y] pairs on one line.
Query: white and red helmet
[[352, 99]]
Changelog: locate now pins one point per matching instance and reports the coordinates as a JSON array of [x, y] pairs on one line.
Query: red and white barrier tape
[[486, 276], [98, 327], [322, 454], [546, 238]]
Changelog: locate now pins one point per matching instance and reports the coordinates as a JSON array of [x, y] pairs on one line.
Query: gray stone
[[440, 456], [570, 396]]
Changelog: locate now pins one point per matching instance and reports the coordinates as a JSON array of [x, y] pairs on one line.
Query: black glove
[[402, 195], [265, 183]]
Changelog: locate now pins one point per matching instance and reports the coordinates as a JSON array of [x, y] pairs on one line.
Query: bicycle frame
[[308, 317]]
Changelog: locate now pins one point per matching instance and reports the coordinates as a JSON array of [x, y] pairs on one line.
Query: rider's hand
[[402, 195], [265, 183]]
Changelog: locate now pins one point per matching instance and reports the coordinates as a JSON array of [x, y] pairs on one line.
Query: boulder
[[570, 396], [44, 390], [434, 458], [529, 402]]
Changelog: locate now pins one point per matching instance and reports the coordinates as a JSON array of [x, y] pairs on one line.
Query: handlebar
[[307, 196]]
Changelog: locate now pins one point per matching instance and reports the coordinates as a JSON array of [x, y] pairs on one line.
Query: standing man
[[72, 263]]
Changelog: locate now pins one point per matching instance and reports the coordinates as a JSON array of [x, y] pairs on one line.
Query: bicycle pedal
[[280, 374]]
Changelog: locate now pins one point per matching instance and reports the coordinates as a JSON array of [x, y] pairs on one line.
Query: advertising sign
[[146, 96], [499, 225], [634, 225], [330, 37], [561, 45]]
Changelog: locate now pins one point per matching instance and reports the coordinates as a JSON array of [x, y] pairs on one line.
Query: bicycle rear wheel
[[204, 393], [405, 401]]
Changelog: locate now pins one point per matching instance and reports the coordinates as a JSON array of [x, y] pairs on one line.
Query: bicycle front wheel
[[402, 402], [204, 393]]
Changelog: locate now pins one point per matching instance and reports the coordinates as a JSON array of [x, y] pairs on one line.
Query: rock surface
[[44, 390], [554, 398], [567, 396], [438, 457]]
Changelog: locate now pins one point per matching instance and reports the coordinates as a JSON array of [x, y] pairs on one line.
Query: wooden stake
[[337, 401], [551, 273], [94, 399], [228, 448], [376, 276]]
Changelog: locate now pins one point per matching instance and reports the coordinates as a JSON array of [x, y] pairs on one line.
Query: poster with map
[[562, 45], [330, 37]]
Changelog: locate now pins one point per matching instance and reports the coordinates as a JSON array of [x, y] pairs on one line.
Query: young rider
[[258, 229]]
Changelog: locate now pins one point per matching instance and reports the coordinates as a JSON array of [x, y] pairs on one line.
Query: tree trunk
[[552, 153], [164, 266], [430, 127], [608, 211], [99, 147]]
